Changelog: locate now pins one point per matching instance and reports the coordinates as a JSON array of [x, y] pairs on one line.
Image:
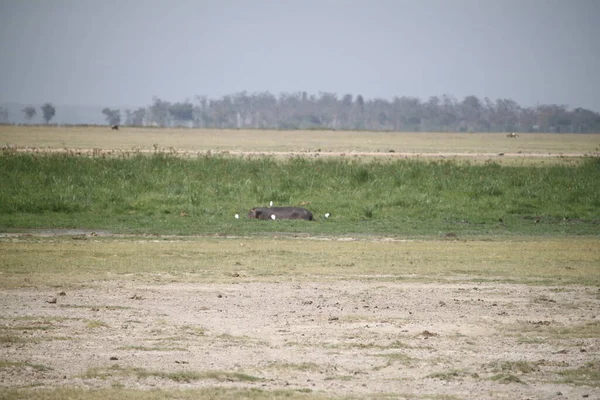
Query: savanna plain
[[451, 266]]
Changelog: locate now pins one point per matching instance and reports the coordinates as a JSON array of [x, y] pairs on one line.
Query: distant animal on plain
[[115, 127], [512, 135], [280, 213]]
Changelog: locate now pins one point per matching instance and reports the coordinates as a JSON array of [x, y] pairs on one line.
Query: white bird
[[273, 216], [327, 215], [271, 204], [237, 216]]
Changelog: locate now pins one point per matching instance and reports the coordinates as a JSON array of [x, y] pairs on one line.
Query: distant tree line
[[328, 111], [48, 112]]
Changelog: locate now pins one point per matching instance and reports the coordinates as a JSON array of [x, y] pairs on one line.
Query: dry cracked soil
[[357, 337]]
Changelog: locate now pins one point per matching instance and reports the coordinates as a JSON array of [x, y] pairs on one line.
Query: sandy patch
[[339, 336]]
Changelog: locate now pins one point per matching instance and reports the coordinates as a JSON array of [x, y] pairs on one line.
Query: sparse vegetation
[[94, 324], [4, 364], [65, 261], [7, 340], [522, 367], [588, 375], [531, 340], [152, 348], [447, 376], [344, 378], [545, 330], [401, 358], [238, 340], [177, 376], [506, 378], [119, 393], [93, 307], [305, 366]]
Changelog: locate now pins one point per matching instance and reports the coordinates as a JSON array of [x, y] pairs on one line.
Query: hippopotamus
[[280, 213]]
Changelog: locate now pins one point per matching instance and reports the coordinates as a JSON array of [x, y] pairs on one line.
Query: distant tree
[[347, 100], [48, 112], [550, 117], [29, 112], [182, 113], [138, 116], [345, 111], [302, 110], [585, 120], [450, 113], [159, 112], [128, 116], [506, 114], [471, 111], [359, 114], [3, 115], [528, 120], [113, 117], [432, 114], [360, 102], [408, 111], [201, 112], [328, 110]]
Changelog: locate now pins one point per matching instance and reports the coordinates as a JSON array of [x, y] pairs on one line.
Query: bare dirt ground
[[288, 154], [339, 337]]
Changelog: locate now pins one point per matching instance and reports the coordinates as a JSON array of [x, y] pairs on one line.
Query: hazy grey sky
[[124, 52]]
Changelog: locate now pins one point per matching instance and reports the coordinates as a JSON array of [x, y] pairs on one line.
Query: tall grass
[[162, 193]]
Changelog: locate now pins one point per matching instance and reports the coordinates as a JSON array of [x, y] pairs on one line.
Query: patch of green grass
[[220, 376], [4, 364], [120, 393], [237, 340], [177, 376], [50, 261], [8, 338], [94, 324], [522, 367], [168, 194], [552, 330], [40, 319], [13, 339], [447, 376], [32, 327], [305, 366], [343, 378], [167, 339], [193, 330], [587, 330], [391, 359], [588, 375], [396, 357]]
